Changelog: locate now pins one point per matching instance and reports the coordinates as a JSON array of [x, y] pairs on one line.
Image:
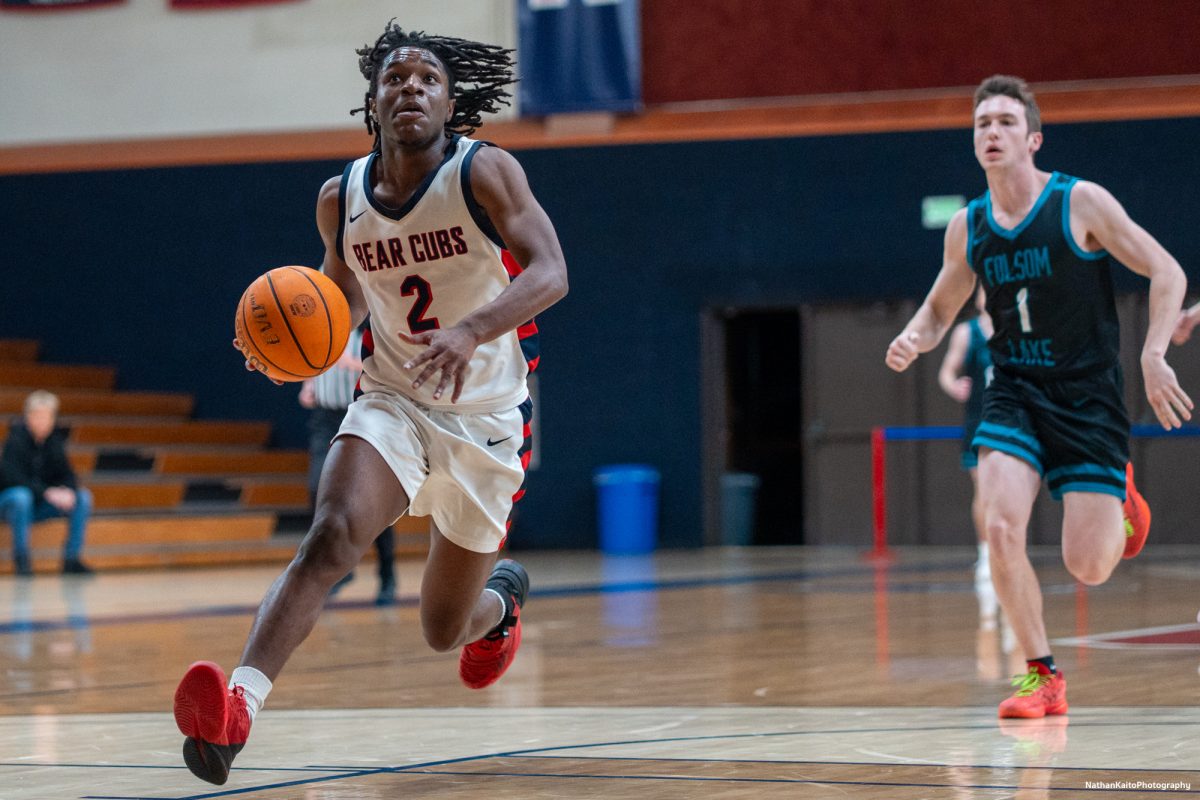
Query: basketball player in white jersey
[[439, 237]]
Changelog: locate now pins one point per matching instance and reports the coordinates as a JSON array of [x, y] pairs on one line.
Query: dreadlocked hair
[[478, 74]]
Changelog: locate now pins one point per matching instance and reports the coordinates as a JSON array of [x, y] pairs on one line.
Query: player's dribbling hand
[[447, 350], [252, 363], [1169, 401], [902, 351]]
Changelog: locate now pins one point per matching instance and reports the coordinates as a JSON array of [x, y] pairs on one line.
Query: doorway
[[754, 410]]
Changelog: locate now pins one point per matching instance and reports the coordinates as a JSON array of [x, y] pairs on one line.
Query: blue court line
[[232, 792], [426, 767], [76, 621], [620, 587], [356, 772], [688, 779]]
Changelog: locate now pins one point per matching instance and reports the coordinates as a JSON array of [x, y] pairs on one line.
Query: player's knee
[[328, 550], [1005, 537], [1092, 576], [443, 630], [443, 626], [1087, 567], [440, 640]]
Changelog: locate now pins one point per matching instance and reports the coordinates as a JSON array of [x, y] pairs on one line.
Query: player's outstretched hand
[[1170, 402], [447, 350], [252, 363], [902, 351]]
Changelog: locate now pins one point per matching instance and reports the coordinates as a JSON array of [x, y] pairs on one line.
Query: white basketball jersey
[[426, 266]]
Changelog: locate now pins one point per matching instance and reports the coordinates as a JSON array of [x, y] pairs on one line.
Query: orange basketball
[[294, 321]]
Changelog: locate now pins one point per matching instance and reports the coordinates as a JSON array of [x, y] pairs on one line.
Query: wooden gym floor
[[754, 673]]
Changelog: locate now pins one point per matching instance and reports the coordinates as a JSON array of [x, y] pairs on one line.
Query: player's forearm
[[929, 326], [1168, 285], [530, 293]]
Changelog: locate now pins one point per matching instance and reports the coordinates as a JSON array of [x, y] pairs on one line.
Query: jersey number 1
[[417, 322], [1023, 310]]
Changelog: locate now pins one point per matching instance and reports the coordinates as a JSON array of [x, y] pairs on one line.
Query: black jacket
[[26, 463]]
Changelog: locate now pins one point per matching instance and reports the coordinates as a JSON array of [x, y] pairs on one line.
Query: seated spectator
[[37, 483]]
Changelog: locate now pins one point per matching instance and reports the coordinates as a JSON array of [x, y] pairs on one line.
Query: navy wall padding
[[143, 269]]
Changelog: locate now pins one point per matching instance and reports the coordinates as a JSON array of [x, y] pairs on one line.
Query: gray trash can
[[739, 492]]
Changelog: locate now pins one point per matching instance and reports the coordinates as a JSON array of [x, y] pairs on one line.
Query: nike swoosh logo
[[356, 216], [498, 441]]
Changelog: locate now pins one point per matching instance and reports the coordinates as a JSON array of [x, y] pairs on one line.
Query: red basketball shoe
[[1038, 694], [214, 719], [483, 662], [1137, 516]]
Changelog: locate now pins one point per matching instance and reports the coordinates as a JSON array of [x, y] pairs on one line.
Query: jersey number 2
[[1022, 310], [417, 322]]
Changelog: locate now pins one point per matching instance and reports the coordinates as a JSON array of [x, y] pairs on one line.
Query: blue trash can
[[627, 508]]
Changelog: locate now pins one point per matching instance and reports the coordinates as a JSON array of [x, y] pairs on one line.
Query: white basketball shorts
[[463, 470]]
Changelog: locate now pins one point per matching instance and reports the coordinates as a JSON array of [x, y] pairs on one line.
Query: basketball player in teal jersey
[[965, 372], [1043, 245], [440, 238]]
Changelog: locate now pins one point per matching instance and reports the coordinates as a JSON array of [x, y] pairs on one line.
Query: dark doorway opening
[[764, 416]]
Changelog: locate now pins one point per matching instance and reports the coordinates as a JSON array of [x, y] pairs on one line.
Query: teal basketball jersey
[[1051, 301]]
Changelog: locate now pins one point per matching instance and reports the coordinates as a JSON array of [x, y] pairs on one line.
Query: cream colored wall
[[141, 70]]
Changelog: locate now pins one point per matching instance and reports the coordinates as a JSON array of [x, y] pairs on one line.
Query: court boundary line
[[579, 590], [430, 767], [1105, 641]]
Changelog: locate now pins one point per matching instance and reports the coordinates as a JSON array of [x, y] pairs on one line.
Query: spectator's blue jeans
[[21, 509]]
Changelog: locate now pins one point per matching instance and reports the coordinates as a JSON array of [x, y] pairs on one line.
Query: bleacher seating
[[169, 489]]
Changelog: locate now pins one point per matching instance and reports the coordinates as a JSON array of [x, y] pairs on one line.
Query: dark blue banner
[[579, 55]]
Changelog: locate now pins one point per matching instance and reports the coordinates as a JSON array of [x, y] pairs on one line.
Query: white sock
[[989, 605], [503, 607], [983, 566], [1008, 637], [255, 685]]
